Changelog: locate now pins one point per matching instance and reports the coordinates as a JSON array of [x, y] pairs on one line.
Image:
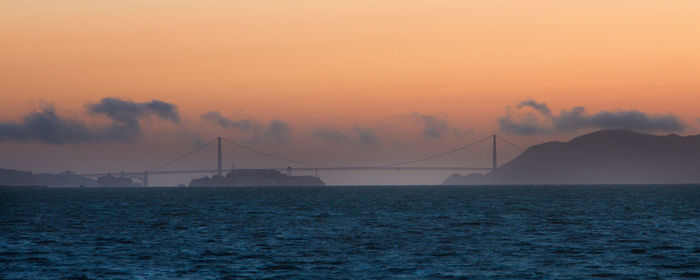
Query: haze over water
[[406, 232]]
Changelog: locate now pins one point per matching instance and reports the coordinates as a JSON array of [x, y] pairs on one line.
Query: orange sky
[[341, 63]]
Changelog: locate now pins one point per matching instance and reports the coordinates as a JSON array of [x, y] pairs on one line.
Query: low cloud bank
[[331, 135], [436, 126], [46, 126], [214, 117], [541, 120], [276, 131], [364, 136]]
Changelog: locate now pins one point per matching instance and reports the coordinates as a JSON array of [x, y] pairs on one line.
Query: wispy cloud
[[46, 126], [436, 126], [433, 127], [364, 136], [244, 125], [331, 134], [542, 121], [276, 131]]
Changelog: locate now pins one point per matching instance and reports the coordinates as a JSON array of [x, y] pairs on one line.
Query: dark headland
[[25, 179], [601, 157], [10, 178]]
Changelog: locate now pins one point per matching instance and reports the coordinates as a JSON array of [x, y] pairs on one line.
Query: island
[[256, 177]]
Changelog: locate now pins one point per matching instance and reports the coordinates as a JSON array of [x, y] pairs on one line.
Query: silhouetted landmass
[[256, 177], [116, 181], [10, 177], [23, 187], [16, 178], [602, 157]]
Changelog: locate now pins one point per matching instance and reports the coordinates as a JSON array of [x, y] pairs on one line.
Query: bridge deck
[[338, 168]]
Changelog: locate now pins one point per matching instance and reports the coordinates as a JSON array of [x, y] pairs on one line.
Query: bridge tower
[[494, 163], [218, 164]]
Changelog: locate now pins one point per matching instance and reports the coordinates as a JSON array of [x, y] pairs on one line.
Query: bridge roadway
[[316, 169], [398, 166]]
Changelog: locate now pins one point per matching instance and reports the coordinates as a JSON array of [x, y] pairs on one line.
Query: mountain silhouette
[[602, 157]]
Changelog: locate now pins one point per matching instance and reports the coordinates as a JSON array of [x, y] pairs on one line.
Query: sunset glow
[[344, 64]]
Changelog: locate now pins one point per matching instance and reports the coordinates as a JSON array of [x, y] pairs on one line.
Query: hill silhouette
[[601, 157], [11, 177]]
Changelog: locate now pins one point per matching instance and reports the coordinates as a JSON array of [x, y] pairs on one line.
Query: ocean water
[[430, 232]]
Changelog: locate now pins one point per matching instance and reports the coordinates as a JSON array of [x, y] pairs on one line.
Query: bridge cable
[[183, 156], [511, 143], [395, 164], [274, 156], [434, 156]]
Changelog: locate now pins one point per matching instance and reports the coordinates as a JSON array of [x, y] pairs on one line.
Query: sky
[[126, 85]]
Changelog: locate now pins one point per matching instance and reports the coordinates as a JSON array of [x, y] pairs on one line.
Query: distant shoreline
[[41, 187], [23, 187]]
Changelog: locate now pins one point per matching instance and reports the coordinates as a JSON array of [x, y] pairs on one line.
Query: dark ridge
[[613, 156]]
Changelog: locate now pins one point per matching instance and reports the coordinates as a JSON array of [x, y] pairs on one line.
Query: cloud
[[539, 107], [433, 127], [277, 131], [361, 135], [127, 111], [542, 121], [331, 134], [436, 127], [244, 125], [366, 136], [194, 137], [125, 115], [46, 126], [528, 124]]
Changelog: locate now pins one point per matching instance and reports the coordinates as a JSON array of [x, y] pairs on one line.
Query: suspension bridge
[[407, 165]]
